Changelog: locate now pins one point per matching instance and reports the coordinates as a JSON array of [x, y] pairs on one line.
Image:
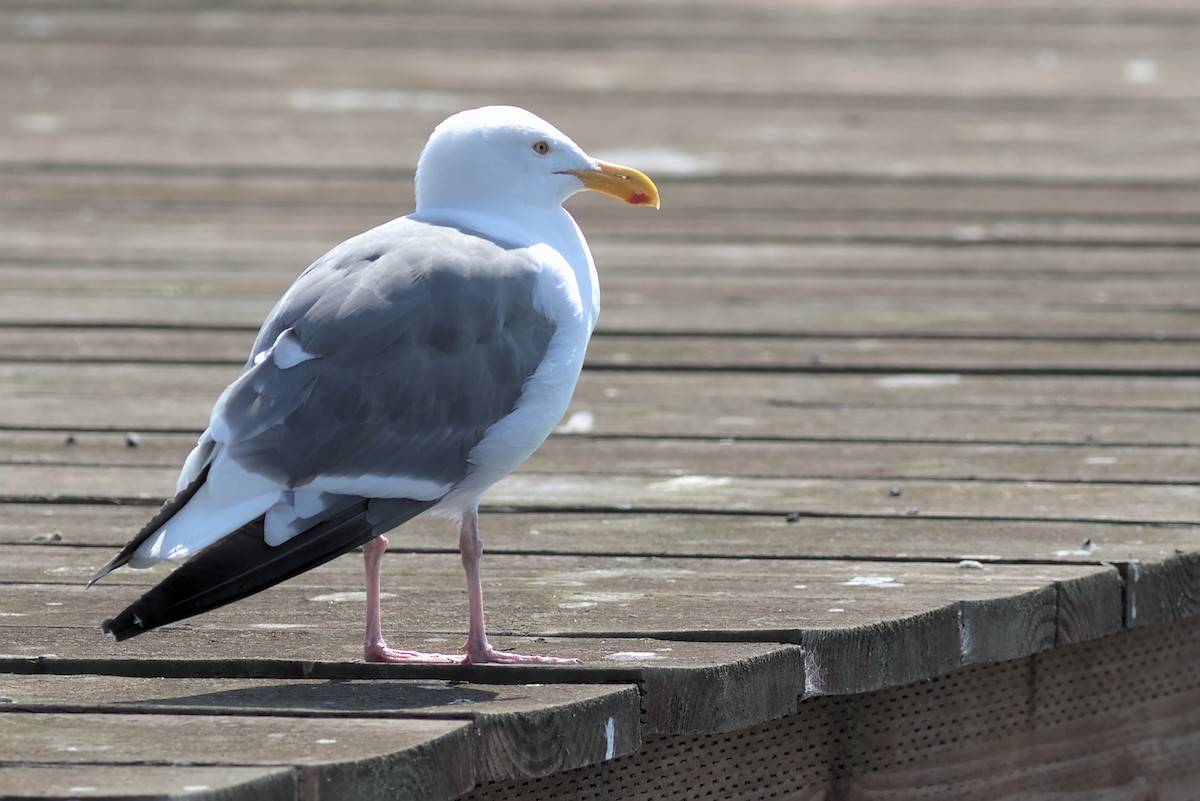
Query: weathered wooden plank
[[900, 538], [803, 395], [518, 731], [781, 225], [671, 457], [713, 24], [693, 351], [755, 291], [330, 199], [749, 277], [785, 70], [831, 135], [123, 300], [406, 758], [908, 355], [816, 135], [248, 267], [980, 733], [1157, 562], [899, 460], [621, 258], [309, 698], [924, 614], [762, 304], [685, 688], [1083, 610], [146, 782], [785, 397], [1158, 568], [1000, 500], [720, 697], [179, 229], [526, 489], [1164, 589], [995, 425], [977, 74], [148, 211], [262, 103], [573, 589], [945, 407], [633, 312], [932, 410], [38, 234], [203, 63]]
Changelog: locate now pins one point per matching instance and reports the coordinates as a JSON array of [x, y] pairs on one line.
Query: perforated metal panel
[[1117, 718]]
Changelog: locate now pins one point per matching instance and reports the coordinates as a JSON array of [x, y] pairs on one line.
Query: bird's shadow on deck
[[375, 698]]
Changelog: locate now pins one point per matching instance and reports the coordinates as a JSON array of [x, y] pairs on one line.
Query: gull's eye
[[541, 147]]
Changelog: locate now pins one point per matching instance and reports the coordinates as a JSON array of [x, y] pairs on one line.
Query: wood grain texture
[[693, 352], [1114, 718], [724, 697], [863, 625], [1162, 590], [146, 782], [664, 457], [685, 688], [946, 406], [429, 758], [96, 529], [1004, 500], [517, 732]]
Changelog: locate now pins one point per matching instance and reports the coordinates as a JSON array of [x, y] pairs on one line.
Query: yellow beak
[[623, 183]]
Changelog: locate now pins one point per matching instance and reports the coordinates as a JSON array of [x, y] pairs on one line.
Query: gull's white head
[[503, 160]]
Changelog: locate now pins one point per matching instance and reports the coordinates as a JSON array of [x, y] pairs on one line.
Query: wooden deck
[[881, 481]]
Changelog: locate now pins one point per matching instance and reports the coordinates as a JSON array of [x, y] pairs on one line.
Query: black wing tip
[[168, 510], [109, 566], [122, 627], [242, 564]]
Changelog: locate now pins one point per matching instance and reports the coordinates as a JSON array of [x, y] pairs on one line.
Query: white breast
[[548, 391]]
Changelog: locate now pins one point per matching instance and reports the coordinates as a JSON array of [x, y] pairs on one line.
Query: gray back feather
[[422, 336]]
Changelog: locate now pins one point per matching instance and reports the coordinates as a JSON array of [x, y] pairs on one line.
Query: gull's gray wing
[[390, 356]]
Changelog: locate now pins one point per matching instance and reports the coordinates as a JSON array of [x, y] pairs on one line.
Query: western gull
[[405, 371]]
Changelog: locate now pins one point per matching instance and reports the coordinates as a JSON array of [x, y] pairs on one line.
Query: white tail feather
[[228, 499], [197, 525]]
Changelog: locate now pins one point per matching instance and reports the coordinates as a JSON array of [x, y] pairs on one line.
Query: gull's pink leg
[[374, 648], [477, 647]]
